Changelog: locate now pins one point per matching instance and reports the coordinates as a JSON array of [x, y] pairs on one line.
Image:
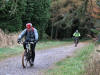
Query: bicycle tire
[[23, 62]]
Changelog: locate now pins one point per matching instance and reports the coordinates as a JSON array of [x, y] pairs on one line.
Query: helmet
[[28, 25]]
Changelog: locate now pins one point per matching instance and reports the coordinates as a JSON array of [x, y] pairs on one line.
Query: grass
[[49, 44], [12, 51], [73, 65], [8, 52]]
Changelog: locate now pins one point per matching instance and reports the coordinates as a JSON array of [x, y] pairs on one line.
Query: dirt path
[[44, 59]]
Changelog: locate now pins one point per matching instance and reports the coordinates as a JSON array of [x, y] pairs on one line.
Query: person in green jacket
[[76, 37], [76, 34]]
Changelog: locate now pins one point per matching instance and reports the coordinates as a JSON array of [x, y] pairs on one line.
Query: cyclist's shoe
[[32, 63]]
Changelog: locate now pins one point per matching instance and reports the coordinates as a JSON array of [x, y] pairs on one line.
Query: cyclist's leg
[[74, 39], [24, 45], [77, 40], [33, 51]]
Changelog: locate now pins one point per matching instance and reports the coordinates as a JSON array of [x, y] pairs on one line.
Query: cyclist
[[76, 36], [31, 35]]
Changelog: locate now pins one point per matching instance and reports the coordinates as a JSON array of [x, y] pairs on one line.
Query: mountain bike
[[27, 56], [76, 41]]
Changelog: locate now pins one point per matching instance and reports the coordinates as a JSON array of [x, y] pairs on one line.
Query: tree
[[37, 12], [11, 12], [76, 18], [15, 13]]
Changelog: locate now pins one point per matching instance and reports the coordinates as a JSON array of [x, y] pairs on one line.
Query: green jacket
[[76, 34]]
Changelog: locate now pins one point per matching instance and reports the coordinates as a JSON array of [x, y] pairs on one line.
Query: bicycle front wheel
[[24, 60]]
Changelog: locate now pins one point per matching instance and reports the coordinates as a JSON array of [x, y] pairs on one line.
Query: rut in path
[[44, 59]]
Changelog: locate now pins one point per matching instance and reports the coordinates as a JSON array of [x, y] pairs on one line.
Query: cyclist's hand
[[18, 41]]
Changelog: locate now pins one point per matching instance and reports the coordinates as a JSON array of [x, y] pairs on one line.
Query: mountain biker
[[31, 35], [76, 35]]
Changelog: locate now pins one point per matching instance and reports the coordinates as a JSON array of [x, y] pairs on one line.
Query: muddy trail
[[44, 59]]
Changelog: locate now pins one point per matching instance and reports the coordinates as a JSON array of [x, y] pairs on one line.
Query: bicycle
[[27, 55], [76, 41]]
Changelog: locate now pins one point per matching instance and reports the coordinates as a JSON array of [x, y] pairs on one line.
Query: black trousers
[[32, 49]]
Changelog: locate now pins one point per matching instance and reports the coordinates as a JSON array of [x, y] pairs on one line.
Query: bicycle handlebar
[[26, 42], [30, 42]]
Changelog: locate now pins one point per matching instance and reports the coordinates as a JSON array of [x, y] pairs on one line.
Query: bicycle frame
[[26, 58], [28, 45], [28, 49]]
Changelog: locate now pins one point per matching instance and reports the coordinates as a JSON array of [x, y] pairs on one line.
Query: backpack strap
[[32, 28], [28, 30]]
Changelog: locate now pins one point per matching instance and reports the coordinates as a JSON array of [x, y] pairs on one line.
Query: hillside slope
[[7, 39]]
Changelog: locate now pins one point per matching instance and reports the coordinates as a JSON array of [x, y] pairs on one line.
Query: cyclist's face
[[28, 27], [76, 31]]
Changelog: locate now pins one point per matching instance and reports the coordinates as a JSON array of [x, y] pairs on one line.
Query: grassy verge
[[51, 44], [8, 52], [74, 65]]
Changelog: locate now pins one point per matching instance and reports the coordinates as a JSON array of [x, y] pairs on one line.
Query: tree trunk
[[52, 31], [56, 35]]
